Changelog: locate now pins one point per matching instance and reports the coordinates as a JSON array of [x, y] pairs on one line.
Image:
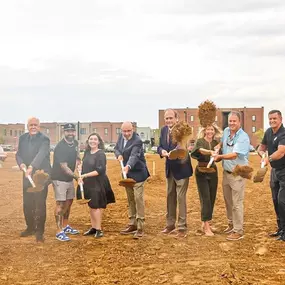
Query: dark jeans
[[34, 205], [207, 187], [277, 184]]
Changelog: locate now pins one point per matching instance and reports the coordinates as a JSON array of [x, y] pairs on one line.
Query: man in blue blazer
[[177, 175], [34, 154], [129, 149]]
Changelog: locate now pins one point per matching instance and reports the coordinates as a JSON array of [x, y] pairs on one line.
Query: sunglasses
[[230, 142]]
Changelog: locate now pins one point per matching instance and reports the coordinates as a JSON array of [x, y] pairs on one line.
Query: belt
[[202, 164], [229, 172]]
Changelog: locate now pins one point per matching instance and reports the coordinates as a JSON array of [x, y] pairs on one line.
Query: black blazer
[[133, 155], [38, 155], [179, 168]]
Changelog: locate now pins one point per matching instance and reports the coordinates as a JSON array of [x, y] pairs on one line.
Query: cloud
[[125, 60]]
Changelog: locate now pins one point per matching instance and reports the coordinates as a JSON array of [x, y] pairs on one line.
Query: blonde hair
[[218, 132]]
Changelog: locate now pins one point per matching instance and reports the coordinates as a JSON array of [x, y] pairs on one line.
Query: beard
[[70, 138]]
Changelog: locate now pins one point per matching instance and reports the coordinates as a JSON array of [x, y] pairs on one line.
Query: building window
[[83, 131], [253, 129], [94, 130], [47, 131], [142, 135], [253, 118], [15, 133], [191, 118], [5, 132], [106, 131], [11, 133], [118, 131]]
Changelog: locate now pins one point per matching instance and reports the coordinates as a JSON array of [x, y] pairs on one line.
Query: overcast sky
[[67, 60]]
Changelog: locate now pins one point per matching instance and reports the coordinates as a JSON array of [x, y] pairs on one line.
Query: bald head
[[127, 130], [33, 125]]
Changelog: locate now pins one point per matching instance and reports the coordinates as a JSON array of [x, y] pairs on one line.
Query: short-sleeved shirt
[[272, 141], [64, 153], [202, 143], [240, 144]]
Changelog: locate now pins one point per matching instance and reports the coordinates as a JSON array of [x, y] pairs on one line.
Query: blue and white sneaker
[[62, 237], [69, 230]]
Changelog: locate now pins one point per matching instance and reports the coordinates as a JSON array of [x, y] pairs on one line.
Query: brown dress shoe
[[234, 236], [229, 229], [167, 230], [181, 234], [130, 229], [138, 234]]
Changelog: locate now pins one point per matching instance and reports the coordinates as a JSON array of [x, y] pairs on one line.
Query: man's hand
[[164, 153], [29, 171], [80, 181], [120, 158], [126, 169], [22, 166], [217, 157], [265, 160]]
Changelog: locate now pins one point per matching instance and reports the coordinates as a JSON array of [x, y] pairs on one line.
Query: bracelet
[[270, 158]]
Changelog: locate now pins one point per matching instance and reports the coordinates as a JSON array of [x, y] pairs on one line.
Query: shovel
[[83, 200], [126, 182], [212, 159], [34, 188], [177, 153], [260, 174]]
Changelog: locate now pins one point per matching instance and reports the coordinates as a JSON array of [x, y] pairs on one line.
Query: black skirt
[[100, 192]]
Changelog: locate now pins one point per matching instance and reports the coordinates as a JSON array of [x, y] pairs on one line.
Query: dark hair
[[100, 145], [235, 113], [275, 111]]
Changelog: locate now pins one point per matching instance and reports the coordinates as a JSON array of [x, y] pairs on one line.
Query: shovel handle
[[212, 159], [263, 161], [81, 185], [123, 171], [30, 178]]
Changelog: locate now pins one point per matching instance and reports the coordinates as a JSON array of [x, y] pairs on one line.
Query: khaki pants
[[136, 204], [176, 192], [233, 188]]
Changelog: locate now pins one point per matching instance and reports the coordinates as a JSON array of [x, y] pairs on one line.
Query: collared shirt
[[239, 144], [272, 141], [125, 142]]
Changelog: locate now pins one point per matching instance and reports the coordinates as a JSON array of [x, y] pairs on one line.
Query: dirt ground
[[154, 259]]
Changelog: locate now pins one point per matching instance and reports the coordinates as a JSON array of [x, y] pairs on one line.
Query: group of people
[[212, 145], [232, 147]]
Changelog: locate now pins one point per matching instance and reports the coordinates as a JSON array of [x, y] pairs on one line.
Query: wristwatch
[[270, 158]]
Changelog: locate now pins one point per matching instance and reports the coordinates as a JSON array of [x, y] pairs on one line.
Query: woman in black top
[[96, 183], [206, 178]]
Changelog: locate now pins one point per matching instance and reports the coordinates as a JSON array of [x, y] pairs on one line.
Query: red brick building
[[109, 131], [10, 133], [252, 119]]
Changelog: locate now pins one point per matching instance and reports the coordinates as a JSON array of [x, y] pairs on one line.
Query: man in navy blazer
[[34, 154], [177, 175], [129, 149]]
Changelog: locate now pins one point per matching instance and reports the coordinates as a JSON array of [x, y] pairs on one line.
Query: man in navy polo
[[274, 142]]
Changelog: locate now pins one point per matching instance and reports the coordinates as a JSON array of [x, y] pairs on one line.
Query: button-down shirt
[[239, 144]]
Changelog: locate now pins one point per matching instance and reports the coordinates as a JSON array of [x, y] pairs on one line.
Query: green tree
[[259, 134]]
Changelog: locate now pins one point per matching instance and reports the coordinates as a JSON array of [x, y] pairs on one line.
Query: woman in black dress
[[96, 183]]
